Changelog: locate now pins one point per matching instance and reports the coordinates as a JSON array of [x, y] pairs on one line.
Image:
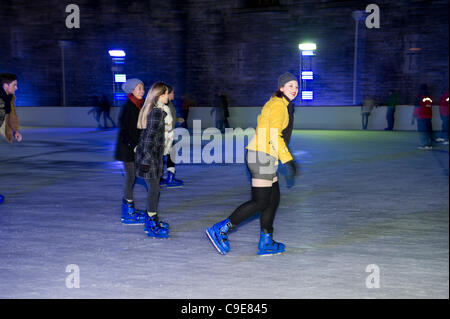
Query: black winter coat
[[128, 134], [150, 150]]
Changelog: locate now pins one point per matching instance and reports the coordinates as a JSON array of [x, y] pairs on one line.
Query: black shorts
[[261, 165]]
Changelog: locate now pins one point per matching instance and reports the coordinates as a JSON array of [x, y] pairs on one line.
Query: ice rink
[[368, 218]]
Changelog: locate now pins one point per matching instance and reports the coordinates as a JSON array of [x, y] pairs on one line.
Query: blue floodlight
[[120, 96], [116, 53]]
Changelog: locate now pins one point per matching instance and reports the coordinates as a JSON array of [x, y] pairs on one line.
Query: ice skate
[[130, 215], [154, 228], [172, 182], [267, 246], [218, 236]]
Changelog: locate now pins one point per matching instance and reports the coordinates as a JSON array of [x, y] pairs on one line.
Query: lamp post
[[357, 16], [63, 44], [117, 66], [307, 52]]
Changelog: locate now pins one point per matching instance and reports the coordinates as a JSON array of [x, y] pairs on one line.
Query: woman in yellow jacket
[[270, 144]]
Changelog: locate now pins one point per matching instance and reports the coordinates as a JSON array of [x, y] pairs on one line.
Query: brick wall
[[238, 46]]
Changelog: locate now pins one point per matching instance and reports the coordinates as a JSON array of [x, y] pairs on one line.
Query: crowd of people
[[145, 142], [421, 116]]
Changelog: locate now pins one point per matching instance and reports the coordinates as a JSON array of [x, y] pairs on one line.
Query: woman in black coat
[[126, 143], [150, 152]]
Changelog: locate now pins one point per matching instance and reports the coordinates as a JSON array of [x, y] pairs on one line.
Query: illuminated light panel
[[307, 52], [120, 78], [307, 95], [307, 75], [116, 53], [120, 96], [307, 46]]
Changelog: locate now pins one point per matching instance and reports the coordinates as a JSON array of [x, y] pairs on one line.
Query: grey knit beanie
[[285, 78], [130, 85]]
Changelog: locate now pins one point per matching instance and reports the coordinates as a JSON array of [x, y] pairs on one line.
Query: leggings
[[264, 200], [152, 194], [152, 186], [130, 178]]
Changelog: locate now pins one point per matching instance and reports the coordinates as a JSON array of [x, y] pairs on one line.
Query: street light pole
[[357, 16]]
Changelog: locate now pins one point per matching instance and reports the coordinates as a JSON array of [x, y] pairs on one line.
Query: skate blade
[[213, 242], [159, 238], [139, 223], [270, 254]]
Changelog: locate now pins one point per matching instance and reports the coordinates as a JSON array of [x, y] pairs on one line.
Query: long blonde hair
[[157, 89]]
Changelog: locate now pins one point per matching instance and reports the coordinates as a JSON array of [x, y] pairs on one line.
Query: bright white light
[[307, 75], [307, 46], [307, 52], [307, 95], [116, 53], [120, 78], [427, 99]]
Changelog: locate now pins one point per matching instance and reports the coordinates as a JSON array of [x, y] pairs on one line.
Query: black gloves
[[291, 172], [291, 169]]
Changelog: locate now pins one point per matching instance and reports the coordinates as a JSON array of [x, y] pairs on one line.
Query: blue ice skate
[[218, 235], [154, 228], [130, 215], [267, 246], [161, 224], [172, 182]]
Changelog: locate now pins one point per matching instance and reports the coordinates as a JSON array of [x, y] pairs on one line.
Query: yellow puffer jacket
[[274, 118]]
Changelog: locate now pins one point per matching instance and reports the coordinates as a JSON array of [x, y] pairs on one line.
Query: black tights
[[264, 200]]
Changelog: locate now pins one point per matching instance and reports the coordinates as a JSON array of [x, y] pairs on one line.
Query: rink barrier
[[317, 117]]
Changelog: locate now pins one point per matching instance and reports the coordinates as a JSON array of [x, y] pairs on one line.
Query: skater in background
[[170, 120], [443, 112], [186, 103], [150, 152], [96, 110], [8, 115], [102, 107], [423, 113], [105, 109], [391, 103], [127, 140], [263, 153], [220, 109], [366, 110]]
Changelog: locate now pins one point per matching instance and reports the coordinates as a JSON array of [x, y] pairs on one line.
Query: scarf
[[136, 101], [287, 132]]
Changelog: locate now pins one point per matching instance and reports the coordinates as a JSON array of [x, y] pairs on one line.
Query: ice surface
[[363, 198]]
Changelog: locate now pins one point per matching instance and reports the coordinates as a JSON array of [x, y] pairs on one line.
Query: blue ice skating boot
[[218, 235], [162, 181], [2, 198], [154, 228], [172, 182], [267, 246], [130, 215], [161, 224]]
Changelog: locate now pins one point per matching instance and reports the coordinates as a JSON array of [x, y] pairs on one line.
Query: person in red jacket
[[443, 110], [423, 113]]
